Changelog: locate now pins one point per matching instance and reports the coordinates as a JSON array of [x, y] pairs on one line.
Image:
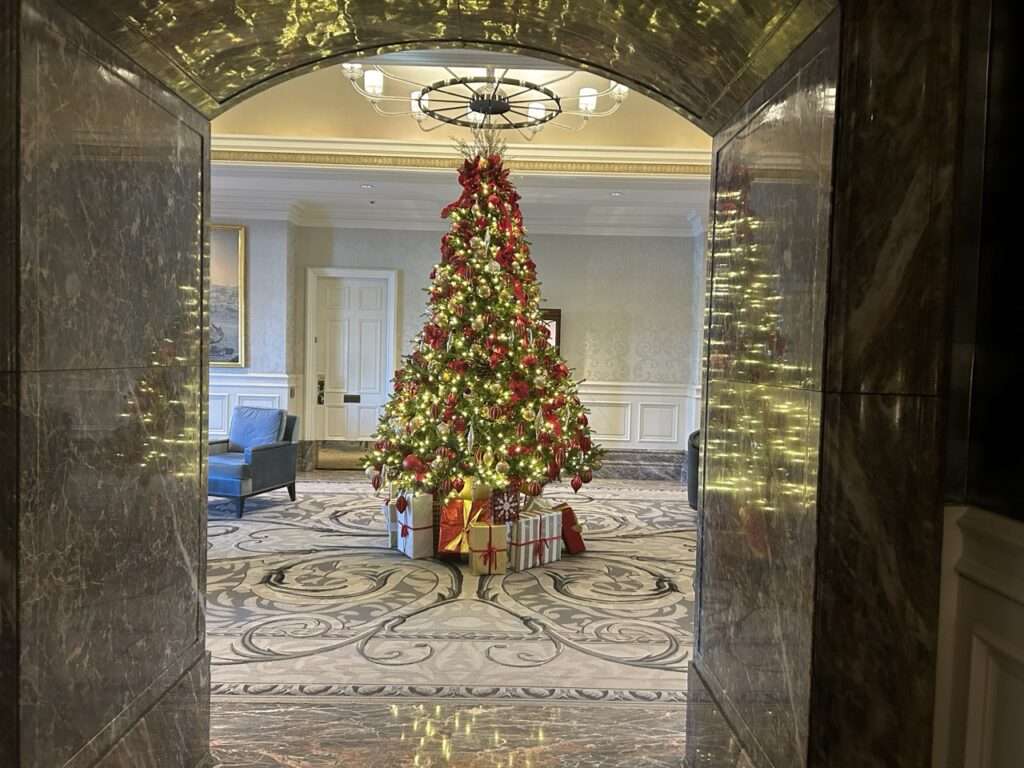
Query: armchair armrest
[[273, 464], [218, 446]]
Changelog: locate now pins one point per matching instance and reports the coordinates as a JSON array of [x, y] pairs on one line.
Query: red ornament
[[529, 359], [376, 481], [576, 483], [582, 420], [445, 486], [553, 470], [401, 503], [587, 475], [458, 484], [412, 463], [495, 412], [585, 443], [533, 489]]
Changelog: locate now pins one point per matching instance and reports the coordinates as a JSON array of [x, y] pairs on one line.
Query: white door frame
[[313, 275]]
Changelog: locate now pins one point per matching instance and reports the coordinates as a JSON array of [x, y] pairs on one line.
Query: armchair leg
[[291, 491], [241, 507]]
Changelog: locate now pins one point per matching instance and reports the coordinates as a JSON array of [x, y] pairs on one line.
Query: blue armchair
[[258, 455]]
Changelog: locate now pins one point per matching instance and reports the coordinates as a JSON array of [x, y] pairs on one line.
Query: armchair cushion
[[251, 427], [233, 465]]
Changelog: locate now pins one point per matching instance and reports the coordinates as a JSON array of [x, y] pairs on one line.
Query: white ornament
[[493, 267]]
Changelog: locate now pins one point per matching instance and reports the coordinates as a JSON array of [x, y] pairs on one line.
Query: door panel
[[352, 341]]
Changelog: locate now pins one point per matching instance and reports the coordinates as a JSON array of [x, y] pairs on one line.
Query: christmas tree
[[483, 396]]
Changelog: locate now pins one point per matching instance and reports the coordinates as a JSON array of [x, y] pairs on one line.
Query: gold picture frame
[[227, 296]]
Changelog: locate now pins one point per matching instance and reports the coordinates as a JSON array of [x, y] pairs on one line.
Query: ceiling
[[413, 199], [702, 57]]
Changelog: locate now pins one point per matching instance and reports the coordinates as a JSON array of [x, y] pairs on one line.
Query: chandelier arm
[[497, 83], [434, 127], [384, 113], [580, 113], [558, 79], [398, 79]]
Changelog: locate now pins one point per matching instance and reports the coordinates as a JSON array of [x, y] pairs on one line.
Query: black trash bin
[[692, 462]]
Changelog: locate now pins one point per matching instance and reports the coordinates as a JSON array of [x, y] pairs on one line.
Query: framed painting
[[553, 320], [227, 295]]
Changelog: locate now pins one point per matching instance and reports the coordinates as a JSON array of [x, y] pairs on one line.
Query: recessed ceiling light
[[366, 186], [615, 194]]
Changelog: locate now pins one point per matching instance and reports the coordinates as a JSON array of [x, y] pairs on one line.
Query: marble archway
[[103, 177]]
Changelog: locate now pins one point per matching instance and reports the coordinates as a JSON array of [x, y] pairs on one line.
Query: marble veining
[[135, 204], [306, 602], [702, 58]]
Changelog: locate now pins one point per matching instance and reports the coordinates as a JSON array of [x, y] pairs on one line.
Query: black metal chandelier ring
[[439, 101]]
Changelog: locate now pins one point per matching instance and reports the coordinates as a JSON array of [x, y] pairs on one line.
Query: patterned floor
[[306, 603]]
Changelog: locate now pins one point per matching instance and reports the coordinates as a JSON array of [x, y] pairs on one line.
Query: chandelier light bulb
[[352, 70], [619, 91], [373, 82], [537, 111], [476, 117], [414, 104], [588, 100]]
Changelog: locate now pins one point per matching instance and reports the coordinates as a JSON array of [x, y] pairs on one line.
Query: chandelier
[[484, 99]]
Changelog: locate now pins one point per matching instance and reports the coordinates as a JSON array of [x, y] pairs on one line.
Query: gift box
[[505, 506], [457, 515], [572, 531], [391, 523], [535, 539], [416, 527], [488, 548]]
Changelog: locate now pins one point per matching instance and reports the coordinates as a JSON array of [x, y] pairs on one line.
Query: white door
[[351, 355]]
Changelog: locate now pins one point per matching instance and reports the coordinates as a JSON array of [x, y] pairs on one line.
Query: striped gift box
[[535, 539]]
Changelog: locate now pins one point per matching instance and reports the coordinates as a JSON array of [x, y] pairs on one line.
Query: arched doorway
[[155, 151]]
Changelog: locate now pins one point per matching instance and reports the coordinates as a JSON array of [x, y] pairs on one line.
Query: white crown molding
[[439, 155]]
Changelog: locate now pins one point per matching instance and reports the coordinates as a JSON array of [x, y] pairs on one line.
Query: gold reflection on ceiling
[[702, 57]]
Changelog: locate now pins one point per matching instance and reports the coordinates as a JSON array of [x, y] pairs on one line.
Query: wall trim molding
[[436, 155], [993, 552], [641, 415]]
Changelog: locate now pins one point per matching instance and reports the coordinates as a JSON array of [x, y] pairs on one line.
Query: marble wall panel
[[896, 155], [8, 184], [111, 231], [771, 235], [876, 614], [757, 576], [111, 386], [769, 271], [8, 569], [165, 735], [109, 544]]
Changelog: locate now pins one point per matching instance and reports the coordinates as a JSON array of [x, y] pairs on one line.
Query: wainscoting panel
[[260, 390], [628, 414], [980, 702]]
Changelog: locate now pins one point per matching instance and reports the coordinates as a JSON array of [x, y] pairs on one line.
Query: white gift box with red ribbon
[[415, 527]]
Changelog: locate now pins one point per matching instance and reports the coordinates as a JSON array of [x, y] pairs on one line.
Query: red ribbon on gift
[[489, 554], [539, 545]]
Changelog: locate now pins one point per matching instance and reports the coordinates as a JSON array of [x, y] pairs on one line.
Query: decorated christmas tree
[[483, 396]]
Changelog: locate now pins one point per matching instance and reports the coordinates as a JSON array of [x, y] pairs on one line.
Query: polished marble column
[[880, 495], [102, 406]]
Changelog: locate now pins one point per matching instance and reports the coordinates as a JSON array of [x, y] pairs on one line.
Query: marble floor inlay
[[305, 602]]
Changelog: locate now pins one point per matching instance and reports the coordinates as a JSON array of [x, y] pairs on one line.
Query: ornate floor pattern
[[306, 603]]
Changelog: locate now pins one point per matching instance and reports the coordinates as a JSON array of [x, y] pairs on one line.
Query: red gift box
[[456, 517], [572, 531]]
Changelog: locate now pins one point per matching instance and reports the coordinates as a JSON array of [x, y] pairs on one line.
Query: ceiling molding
[[430, 155]]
